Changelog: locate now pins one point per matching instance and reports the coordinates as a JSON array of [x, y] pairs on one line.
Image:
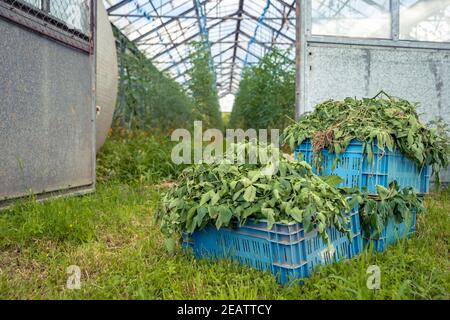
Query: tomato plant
[[148, 99], [266, 95], [202, 86]]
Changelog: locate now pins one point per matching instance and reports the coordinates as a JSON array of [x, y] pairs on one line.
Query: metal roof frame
[[238, 32]]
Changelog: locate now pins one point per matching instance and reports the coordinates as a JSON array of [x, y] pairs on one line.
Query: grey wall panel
[[419, 75], [46, 115]]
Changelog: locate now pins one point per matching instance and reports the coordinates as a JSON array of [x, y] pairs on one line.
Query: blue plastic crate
[[286, 251], [319, 253], [355, 169], [393, 232]]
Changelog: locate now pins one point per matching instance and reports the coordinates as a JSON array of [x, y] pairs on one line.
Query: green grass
[[111, 236], [136, 157]]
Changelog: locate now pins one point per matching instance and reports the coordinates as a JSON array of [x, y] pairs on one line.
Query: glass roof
[[239, 32]]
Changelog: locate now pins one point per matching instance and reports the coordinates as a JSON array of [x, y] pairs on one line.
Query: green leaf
[[250, 211], [190, 225], [250, 194], [201, 213], [337, 148], [270, 216], [292, 142], [382, 192], [333, 180], [224, 217], [296, 214], [254, 176], [170, 245], [264, 187], [236, 195], [321, 227], [276, 194], [215, 199], [321, 217], [307, 223], [205, 198]]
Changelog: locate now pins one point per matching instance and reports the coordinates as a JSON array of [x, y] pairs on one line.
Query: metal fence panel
[[47, 116], [67, 21]]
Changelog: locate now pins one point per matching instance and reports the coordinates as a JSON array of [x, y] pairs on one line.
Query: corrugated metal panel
[[46, 115]]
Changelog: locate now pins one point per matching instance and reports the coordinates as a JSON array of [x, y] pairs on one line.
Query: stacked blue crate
[[392, 233], [287, 251], [356, 170]]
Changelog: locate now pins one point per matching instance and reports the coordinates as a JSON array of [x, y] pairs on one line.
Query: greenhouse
[[225, 149]]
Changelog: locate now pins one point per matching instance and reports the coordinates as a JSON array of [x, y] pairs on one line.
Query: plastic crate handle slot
[[328, 253]]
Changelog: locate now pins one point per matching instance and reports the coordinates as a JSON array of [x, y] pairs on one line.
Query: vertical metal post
[[395, 20], [301, 12], [93, 57], [122, 99], [45, 6], [297, 59]]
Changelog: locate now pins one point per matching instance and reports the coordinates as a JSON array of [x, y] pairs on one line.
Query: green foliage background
[[152, 101], [136, 157], [266, 96], [202, 85], [148, 99]]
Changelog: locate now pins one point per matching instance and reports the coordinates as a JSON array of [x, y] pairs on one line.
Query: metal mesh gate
[[47, 113], [68, 21]]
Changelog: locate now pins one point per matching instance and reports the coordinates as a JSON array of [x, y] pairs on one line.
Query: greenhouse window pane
[[74, 13], [352, 18], [425, 20], [36, 3]]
